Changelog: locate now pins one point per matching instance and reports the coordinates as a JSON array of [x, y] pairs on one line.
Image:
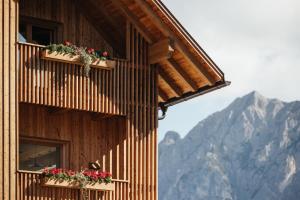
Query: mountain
[[248, 151]]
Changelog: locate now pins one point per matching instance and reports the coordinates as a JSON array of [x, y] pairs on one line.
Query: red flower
[[93, 175], [55, 171], [67, 43], [90, 50], [108, 174], [105, 54], [70, 173]]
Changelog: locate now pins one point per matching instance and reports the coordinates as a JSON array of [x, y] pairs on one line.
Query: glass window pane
[[41, 35], [34, 156], [22, 33]]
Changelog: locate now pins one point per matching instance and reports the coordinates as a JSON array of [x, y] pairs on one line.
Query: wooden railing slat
[[63, 85]]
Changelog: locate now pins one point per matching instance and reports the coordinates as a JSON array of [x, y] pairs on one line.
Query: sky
[[256, 43]]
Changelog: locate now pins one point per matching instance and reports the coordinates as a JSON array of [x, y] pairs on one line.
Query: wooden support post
[[8, 100], [160, 51]]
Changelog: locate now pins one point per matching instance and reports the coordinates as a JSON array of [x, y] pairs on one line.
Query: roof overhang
[[184, 69], [189, 71]]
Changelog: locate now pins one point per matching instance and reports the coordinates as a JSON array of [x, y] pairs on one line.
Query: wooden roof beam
[[198, 66], [169, 82], [160, 51], [162, 94], [183, 75], [139, 26], [179, 45], [160, 99]]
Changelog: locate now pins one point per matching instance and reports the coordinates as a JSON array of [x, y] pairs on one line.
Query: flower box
[[76, 185], [68, 58]]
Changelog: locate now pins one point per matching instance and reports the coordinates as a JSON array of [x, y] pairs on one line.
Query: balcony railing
[[65, 85], [29, 187]]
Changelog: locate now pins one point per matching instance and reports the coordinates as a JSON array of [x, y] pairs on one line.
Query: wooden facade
[[110, 115], [8, 100]]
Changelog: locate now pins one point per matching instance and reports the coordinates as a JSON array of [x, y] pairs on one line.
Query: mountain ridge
[[219, 156]]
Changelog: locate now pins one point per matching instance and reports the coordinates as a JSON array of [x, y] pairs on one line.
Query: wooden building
[[52, 114]]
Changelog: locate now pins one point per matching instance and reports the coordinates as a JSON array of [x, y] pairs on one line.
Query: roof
[[188, 54], [186, 71]]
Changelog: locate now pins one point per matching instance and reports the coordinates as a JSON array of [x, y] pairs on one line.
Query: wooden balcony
[[29, 187], [128, 144], [64, 85]]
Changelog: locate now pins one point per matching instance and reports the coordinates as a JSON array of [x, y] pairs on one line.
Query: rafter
[[182, 74], [162, 94], [179, 45], [169, 81]]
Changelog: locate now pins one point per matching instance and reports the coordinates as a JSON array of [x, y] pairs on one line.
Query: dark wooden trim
[[40, 22]]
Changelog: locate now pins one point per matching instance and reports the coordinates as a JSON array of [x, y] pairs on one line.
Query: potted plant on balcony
[[84, 180], [70, 53]]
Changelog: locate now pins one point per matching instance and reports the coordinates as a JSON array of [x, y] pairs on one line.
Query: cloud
[[255, 43]]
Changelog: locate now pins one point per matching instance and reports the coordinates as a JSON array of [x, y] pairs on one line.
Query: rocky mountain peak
[[252, 99], [250, 151], [170, 138]]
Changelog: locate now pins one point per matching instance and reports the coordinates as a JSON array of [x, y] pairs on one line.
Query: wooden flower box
[[75, 185], [67, 58]]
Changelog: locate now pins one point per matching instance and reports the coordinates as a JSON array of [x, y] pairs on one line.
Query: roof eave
[[201, 91]]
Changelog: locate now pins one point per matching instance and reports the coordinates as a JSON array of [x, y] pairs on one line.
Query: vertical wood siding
[[128, 92], [86, 136], [8, 92], [75, 26], [65, 85]]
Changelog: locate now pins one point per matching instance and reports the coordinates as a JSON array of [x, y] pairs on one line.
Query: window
[[42, 35], [39, 31], [36, 154]]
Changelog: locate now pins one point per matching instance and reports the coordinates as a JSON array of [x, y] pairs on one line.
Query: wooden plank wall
[[88, 137], [129, 90], [75, 27], [142, 121], [8, 100]]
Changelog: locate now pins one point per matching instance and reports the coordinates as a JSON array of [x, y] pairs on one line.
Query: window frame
[[29, 22], [64, 149]]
